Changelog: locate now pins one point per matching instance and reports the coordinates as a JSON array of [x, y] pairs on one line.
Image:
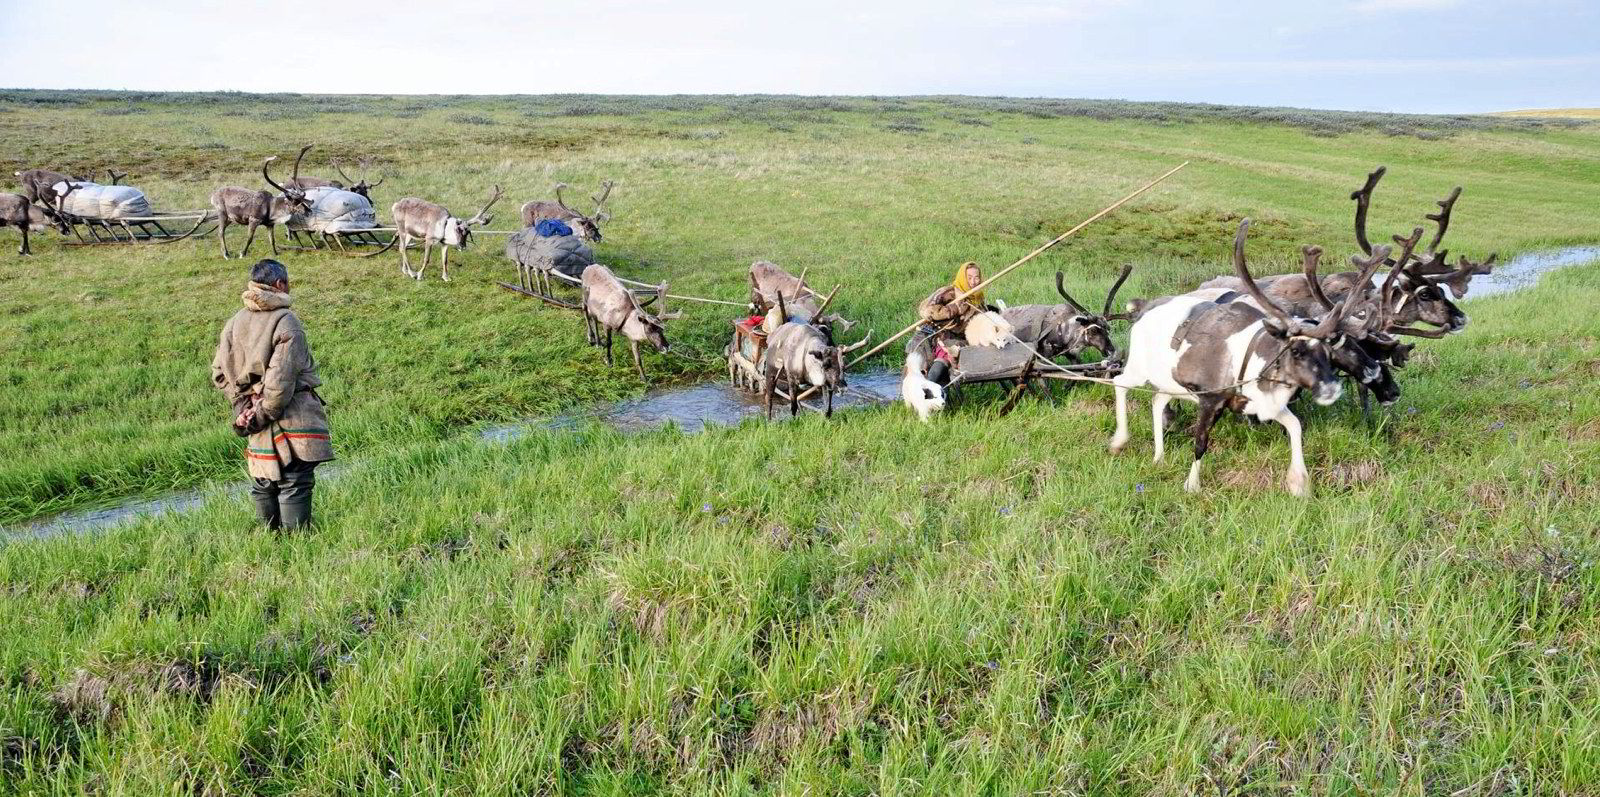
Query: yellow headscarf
[[961, 285]]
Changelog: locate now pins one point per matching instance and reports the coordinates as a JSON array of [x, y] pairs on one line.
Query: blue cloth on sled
[[551, 228]]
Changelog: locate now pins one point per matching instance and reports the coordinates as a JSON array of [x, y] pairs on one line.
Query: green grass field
[[868, 605]]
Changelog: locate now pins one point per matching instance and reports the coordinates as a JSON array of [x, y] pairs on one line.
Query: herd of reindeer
[[1236, 342]]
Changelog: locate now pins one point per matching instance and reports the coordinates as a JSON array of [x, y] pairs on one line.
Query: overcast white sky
[[1394, 55]]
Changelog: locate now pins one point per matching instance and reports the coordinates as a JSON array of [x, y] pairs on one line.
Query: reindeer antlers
[[482, 216], [1363, 198], [562, 202], [1250, 282], [1116, 286], [1312, 257]]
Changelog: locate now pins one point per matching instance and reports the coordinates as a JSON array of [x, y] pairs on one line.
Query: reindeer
[[770, 284], [1067, 330], [1410, 294], [256, 208], [360, 186], [39, 185], [304, 184], [1360, 349], [802, 354], [1252, 358], [17, 211], [608, 304], [419, 218], [587, 227]]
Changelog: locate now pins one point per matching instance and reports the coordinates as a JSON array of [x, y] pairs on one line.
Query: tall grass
[[868, 605]]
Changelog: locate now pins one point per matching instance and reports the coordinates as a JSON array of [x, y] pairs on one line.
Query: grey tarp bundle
[[974, 363], [95, 201], [335, 210], [567, 254], [981, 363]]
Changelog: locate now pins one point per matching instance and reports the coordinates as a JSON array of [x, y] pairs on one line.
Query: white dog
[[923, 396]]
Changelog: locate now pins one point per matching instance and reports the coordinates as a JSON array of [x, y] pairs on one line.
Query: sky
[[1429, 56]]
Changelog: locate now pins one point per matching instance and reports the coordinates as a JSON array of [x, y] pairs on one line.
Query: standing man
[[265, 368]]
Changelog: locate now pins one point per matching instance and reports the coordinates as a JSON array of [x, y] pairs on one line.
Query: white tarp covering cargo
[[335, 210], [95, 201]]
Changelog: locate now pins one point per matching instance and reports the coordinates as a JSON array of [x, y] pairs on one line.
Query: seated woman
[[945, 318]]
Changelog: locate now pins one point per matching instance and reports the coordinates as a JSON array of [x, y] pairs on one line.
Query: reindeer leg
[[637, 364], [272, 238], [25, 250], [444, 262], [794, 397], [1366, 402], [1158, 419], [222, 236], [405, 263], [248, 240], [829, 412], [1210, 410], [1299, 481], [608, 346], [769, 385], [1119, 439]]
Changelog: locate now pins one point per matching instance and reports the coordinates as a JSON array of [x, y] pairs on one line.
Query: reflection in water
[[1523, 271], [692, 408]]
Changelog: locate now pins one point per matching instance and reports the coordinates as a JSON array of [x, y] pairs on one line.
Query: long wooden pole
[[1031, 255]]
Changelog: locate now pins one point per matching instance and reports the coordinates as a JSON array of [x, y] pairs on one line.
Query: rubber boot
[[939, 372], [294, 495], [264, 493]]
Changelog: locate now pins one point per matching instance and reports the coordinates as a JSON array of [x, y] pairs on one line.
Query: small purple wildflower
[[705, 507], [1005, 511], [1139, 488]]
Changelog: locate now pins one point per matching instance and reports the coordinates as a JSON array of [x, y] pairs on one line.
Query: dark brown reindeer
[[1070, 329], [586, 227], [1411, 294], [17, 211], [432, 222], [360, 186], [304, 184], [608, 305], [38, 185], [255, 208]]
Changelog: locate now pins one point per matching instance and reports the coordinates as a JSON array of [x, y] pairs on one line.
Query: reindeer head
[[1306, 359], [646, 328], [588, 226], [1412, 292], [458, 232], [291, 201], [361, 186], [1072, 334]]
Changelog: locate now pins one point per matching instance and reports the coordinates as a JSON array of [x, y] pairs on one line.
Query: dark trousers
[[286, 503]]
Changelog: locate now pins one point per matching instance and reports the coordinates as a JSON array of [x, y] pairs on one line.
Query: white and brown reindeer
[[432, 223], [586, 227], [801, 354], [1253, 358], [609, 307], [256, 208]]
